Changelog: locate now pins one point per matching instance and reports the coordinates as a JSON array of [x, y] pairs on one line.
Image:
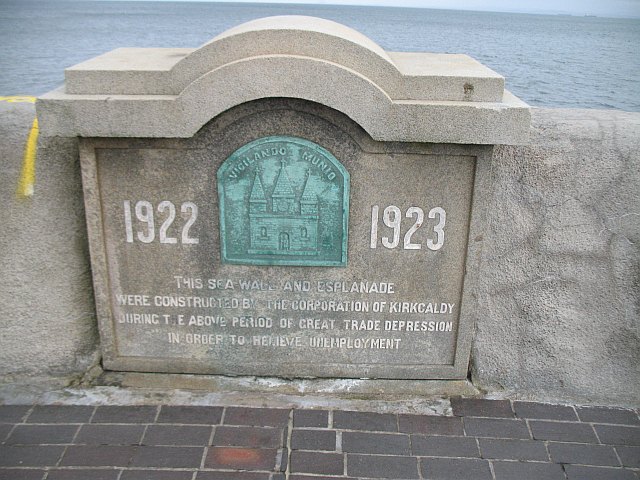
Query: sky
[[615, 8]]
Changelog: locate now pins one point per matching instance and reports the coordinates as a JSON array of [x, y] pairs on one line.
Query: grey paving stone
[[501, 449], [26, 434], [13, 413], [324, 477], [455, 468], [563, 431], [98, 456], [125, 414], [317, 462], [83, 474], [167, 457], [476, 407], [177, 435], [264, 417], [5, 428], [583, 454], [608, 415], [382, 443], [495, 428], [310, 418], [544, 411], [630, 456], [259, 437], [527, 471], [238, 476], [313, 440], [60, 414], [382, 466], [98, 434], [21, 474], [430, 425], [156, 475], [190, 414], [437, 446], [618, 434], [578, 472], [381, 422], [29, 455]]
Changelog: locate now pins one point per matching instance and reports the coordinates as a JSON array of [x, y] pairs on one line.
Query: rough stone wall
[[558, 290], [560, 280], [47, 313]]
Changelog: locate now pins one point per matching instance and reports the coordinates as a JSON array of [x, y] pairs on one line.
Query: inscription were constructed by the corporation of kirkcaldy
[[299, 321]]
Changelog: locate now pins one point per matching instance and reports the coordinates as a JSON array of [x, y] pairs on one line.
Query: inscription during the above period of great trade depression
[[284, 258], [283, 201]]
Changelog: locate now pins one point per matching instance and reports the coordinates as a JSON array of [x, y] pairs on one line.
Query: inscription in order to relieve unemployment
[[198, 286]]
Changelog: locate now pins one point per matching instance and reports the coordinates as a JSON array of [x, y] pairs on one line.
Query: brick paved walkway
[[485, 439]]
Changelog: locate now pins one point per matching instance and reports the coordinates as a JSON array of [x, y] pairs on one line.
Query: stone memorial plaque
[[243, 252], [288, 199]]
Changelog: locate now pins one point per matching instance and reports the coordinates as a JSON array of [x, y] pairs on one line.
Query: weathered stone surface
[[559, 275], [556, 349], [47, 314], [172, 298], [167, 93]]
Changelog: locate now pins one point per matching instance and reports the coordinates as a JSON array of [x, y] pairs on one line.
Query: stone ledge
[[394, 96]]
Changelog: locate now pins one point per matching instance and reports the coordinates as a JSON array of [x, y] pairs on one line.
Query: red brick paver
[[483, 439]]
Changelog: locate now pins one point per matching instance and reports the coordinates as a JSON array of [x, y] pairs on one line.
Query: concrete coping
[[394, 96]]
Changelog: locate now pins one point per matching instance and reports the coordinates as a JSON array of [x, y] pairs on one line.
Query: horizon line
[[390, 4]]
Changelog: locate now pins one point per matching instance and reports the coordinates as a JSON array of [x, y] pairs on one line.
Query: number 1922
[[392, 218], [145, 218]]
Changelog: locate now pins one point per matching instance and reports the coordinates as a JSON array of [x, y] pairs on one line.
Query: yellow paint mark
[[18, 99], [28, 174]]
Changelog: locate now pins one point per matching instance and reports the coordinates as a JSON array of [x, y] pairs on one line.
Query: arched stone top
[[289, 35], [303, 23], [307, 28], [394, 96]]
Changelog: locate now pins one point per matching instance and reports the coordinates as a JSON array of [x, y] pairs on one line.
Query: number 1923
[[392, 218]]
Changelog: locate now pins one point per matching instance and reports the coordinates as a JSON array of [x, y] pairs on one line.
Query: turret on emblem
[[283, 201]]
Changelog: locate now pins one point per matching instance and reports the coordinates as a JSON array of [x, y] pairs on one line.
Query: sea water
[[548, 60]]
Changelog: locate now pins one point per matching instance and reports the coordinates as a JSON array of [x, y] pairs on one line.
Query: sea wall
[[47, 312], [560, 277], [558, 280]]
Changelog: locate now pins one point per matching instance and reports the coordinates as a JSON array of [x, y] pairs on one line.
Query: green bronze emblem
[[283, 201]]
